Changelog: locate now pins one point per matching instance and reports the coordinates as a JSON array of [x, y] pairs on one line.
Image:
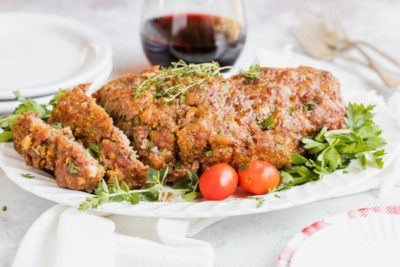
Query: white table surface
[[240, 241]]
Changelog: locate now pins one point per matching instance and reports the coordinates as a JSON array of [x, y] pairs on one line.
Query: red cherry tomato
[[258, 177], [218, 182]]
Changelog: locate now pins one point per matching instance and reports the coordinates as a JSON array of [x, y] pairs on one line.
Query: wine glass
[[195, 31]]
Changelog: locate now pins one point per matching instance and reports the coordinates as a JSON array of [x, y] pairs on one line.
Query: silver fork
[[335, 30], [330, 31], [315, 47]]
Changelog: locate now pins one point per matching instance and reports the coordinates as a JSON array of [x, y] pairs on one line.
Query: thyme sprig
[[252, 73], [27, 175], [173, 82], [191, 185], [154, 190], [259, 200]]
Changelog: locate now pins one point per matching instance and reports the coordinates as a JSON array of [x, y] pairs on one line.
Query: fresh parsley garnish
[[43, 112], [54, 101], [331, 150], [5, 136], [7, 122], [27, 175], [4, 208], [31, 105], [154, 190]]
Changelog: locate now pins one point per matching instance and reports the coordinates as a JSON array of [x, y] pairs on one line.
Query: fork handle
[[390, 79], [379, 51]]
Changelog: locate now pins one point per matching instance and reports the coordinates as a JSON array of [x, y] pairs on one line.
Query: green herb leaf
[[94, 150], [309, 105], [5, 136], [189, 186], [260, 201], [266, 124], [253, 73], [27, 175], [134, 198], [31, 105], [72, 168], [191, 196], [244, 166], [54, 101], [208, 153], [58, 125], [7, 122], [329, 151]]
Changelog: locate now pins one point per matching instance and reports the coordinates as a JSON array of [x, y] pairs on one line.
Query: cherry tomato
[[218, 182], [258, 177]]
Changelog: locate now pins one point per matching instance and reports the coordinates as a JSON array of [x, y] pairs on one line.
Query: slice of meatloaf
[[55, 150], [91, 125]]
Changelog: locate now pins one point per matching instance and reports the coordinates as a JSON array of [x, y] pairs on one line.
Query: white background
[[241, 241]]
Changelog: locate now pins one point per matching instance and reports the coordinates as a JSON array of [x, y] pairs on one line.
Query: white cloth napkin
[[65, 237]]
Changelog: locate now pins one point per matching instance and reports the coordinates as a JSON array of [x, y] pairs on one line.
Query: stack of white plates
[[40, 54]]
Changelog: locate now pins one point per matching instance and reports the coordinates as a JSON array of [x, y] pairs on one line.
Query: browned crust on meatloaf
[[45, 147], [223, 116], [149, 124], [90, 124]]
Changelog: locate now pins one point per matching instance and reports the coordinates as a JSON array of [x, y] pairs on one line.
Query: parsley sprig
[[173, 82], [331, 150], [154, 190], [43, 111]]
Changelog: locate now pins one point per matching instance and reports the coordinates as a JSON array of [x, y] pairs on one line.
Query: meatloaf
[[92, 126], [46, 147], [219, 119]]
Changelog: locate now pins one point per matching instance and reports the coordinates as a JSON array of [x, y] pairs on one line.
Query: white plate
[[43, 184], [331, 185], [41, 53], [366, 237], [7, 107]]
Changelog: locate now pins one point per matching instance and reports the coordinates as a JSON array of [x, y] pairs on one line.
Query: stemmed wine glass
[[195, 31]]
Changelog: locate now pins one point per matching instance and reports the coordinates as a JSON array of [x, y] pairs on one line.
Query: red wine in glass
[[192, 37]]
